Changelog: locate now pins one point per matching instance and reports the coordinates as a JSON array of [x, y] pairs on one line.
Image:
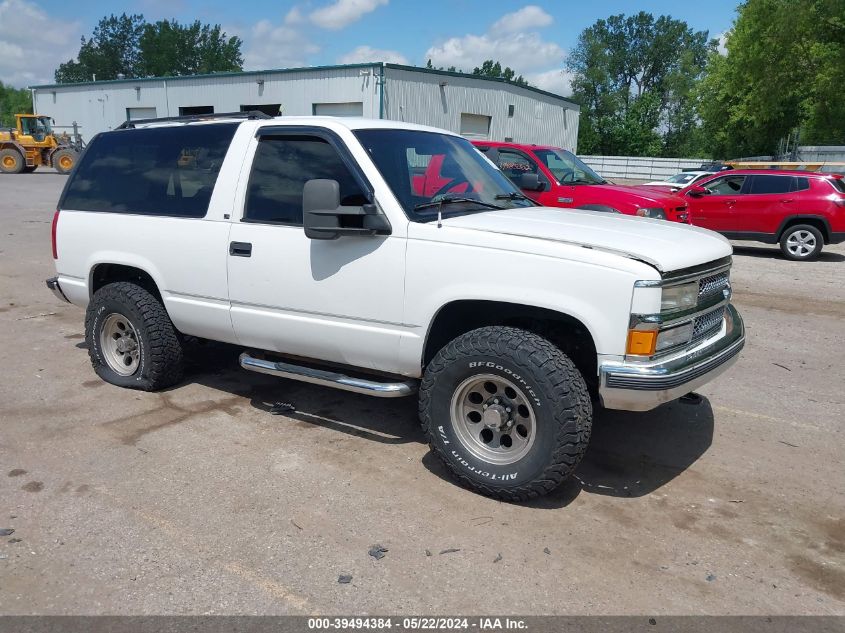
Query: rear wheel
[[11, 161], [131, 340], [801, 242], [507, 412], [64, 160]]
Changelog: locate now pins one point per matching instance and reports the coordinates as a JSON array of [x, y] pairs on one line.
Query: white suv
[[319, 247]]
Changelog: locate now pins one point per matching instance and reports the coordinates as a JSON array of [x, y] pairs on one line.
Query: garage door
[[351, 108], [133, 114], [475, 125]]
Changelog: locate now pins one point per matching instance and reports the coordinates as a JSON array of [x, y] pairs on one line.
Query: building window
[[350, 108], [270, 109], [511, 109], [195, 110], [475, 125]]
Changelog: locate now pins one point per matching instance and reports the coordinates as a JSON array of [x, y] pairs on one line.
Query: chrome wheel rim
[[493, 419], [801, 243], [119, 344]]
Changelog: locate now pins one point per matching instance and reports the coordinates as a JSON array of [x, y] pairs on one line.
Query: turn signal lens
[[641, 342]]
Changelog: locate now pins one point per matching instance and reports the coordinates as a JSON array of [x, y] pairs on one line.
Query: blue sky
[[533, 37]]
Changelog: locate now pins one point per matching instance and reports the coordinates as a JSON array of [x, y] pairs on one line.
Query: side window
[[282, 166], [727, 186], [514, 164], [770, 184], [165, 170], [799, 183]]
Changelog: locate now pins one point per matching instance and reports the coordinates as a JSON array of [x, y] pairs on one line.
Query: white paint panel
[[355, 108]]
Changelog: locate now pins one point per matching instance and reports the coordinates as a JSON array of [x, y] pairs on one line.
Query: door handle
[[730, 203], [240, 249], [786, 200]]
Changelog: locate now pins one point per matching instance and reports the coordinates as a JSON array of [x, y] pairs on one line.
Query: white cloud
[[294, 16], [32, 45], [556, 81], [722, 46], [528, 17], [342, 13], [266, 45], [365, 53], [512, 42]]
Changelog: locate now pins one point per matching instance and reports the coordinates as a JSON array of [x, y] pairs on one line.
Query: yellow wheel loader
[[33, 144]]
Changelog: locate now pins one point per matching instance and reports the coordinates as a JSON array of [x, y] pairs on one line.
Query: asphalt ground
[[198, 500]]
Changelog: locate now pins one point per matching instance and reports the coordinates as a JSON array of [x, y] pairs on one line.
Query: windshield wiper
[[513, 195], [454, 199], [579, 181]]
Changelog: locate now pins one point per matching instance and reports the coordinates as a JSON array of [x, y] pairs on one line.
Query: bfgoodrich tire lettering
[[159, 349], [548, 381]]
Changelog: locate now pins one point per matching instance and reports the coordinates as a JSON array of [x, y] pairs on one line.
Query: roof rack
[[192, 118]]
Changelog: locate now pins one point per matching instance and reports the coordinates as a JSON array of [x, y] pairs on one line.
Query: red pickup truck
[[555, 177], [802, 211]]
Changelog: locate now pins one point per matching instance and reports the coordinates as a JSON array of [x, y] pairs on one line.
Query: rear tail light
[[53, 234]]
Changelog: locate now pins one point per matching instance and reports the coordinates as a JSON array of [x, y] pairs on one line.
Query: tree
[[492, 68], [634, 78], [111, 51], [128, 46], [783, 74], [13, 101], [170, 48]]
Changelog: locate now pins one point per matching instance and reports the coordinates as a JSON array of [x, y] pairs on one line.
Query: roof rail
[[192, 118]]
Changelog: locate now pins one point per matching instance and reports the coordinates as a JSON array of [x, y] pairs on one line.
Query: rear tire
[[64, 160], [506, 411], [11, 161], [801, 243], [131, 340]]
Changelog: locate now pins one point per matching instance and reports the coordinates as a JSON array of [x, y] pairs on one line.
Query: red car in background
[[802, 211], [554, 177]]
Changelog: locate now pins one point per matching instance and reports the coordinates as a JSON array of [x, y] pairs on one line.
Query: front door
[[514, 164], [720, 208], [335, 300]]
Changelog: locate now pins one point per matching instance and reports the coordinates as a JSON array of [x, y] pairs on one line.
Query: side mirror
[[530, 182], [697, 192], [325, 219]]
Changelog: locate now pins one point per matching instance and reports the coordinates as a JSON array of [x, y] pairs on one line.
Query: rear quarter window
[[838, 184], [168, 171]]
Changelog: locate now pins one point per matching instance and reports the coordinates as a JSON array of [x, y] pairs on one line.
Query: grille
[[707, 324], [712, 284]]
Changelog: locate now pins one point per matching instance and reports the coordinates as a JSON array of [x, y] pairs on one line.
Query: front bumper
[[643, 386], [53, 284]]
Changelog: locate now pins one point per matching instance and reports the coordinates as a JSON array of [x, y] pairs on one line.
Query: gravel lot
[[198, 500]]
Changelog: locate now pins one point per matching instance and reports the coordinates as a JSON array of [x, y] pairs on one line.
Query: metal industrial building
[[474, 106]]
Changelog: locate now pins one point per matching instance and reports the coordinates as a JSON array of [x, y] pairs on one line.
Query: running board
[[328, 378]]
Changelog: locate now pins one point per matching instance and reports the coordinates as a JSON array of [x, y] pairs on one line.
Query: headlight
[[672, 337], [679, 297], [659, 214]]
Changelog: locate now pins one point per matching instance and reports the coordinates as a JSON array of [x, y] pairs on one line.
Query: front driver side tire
[[131, 340], [506, 411], [801, 242]]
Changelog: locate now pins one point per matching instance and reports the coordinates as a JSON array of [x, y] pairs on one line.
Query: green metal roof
[[252, 73]]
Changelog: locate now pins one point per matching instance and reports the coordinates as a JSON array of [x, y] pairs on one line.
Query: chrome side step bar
[[328, 378]]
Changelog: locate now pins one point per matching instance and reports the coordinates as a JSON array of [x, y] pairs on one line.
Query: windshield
[[567, 168], [44, 124], [425, 168], [681, 179]]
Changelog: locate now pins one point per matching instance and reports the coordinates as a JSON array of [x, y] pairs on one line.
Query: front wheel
[[507, 412], [64, 160], [801, 242]]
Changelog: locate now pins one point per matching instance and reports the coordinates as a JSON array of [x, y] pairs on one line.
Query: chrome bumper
[[643, 386], [53, 284]]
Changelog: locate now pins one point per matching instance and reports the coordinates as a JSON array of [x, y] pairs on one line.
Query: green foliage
[[129, 46], [13, 101], [784, 70], [492, 68], [634, 78]]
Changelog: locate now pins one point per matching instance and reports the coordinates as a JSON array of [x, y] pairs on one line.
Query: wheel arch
[[569, 333], [108, 272], [818, 221]]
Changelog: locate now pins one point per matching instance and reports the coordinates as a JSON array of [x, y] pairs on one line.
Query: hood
[[665, 245], [642, 196]]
